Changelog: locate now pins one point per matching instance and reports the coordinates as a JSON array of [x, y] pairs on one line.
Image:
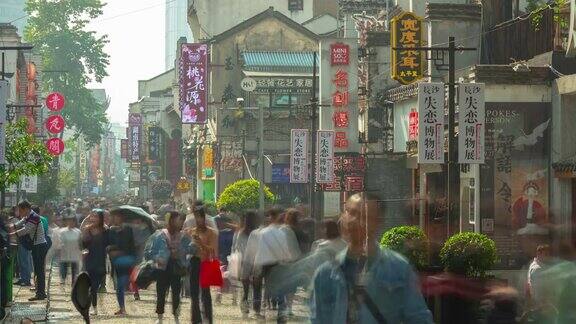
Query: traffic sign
[[55, 124], [55, 101], [55, 146], [248, 84]]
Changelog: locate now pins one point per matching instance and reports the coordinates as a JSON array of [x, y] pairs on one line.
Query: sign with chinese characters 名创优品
[[471, 123], [325, 156], [339, 92], [299, 156], [407, 64], [431, 122], [193, 73]]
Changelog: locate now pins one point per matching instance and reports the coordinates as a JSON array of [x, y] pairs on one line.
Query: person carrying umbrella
[[122, 252]]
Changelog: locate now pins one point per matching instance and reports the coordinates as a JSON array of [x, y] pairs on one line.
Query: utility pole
[[452, 145], [437, 56], [313, 117], [261, 158]]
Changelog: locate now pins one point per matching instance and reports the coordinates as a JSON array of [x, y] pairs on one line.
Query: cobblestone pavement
[[61, 309]]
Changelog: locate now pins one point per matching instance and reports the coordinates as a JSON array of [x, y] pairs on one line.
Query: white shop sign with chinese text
[[299, 156], [325, 157], [471, 123], [431, 123]]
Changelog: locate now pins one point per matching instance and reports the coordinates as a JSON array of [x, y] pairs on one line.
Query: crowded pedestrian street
[[58, 308], [288, 161]]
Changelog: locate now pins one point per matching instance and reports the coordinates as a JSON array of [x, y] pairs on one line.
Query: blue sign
[[281, 173]]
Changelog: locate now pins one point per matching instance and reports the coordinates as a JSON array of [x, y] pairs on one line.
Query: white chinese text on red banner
[[471, 123], [325, 157], [193, 73], [299, 156], [431, 123]]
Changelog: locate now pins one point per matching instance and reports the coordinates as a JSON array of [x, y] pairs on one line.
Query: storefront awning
[[280, 61]]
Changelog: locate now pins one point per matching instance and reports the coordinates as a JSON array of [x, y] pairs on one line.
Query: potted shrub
[[466, 257], [410, 241], [469, 254], [243, 195]]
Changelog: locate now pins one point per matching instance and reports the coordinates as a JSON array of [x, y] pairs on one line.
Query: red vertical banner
[[193, 73]]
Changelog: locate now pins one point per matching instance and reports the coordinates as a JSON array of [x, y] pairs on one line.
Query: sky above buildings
[[135, 29]]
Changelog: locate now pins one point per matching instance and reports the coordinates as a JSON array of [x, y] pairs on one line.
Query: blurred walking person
[[250, 223], [168, 250], [225, 241], [70, 252], [31, 226], [273, 250], [353, 289], [95, 240], [297, 243], [122, 252], [205, 240], [24, 256]]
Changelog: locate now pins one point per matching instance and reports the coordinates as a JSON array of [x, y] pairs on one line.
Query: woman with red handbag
[[204, 265]]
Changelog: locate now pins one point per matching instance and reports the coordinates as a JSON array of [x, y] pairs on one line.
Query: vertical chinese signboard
[[325, 157], [55, 124], [154, 145], [193, 72], [413, 125], [135, 129], [299, 156], [407, 32], [431, 123], [339, 87], [471, 123]]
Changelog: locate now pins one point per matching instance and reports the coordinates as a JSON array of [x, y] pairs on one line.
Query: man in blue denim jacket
[[366, 284]]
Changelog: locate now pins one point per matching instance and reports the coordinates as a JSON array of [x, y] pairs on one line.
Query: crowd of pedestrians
[[266, 261]]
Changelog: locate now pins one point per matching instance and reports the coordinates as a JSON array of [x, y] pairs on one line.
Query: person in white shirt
[[69, 239], [273, 250], [534, 279]]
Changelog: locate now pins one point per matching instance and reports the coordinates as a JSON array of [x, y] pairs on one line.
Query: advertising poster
[[193, 73], [514, 179]]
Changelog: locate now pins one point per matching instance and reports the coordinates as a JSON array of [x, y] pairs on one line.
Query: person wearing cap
[[31, 225]]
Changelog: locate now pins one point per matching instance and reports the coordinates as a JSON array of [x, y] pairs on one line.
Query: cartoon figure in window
[[528, 214]]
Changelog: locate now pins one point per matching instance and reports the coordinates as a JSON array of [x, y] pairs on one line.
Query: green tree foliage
[[24, 155], [76, 56], [243, 195], [410, 241], [469, 254], [67, 181]]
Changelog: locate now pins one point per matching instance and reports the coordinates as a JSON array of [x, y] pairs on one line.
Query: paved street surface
[[61, 309]]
